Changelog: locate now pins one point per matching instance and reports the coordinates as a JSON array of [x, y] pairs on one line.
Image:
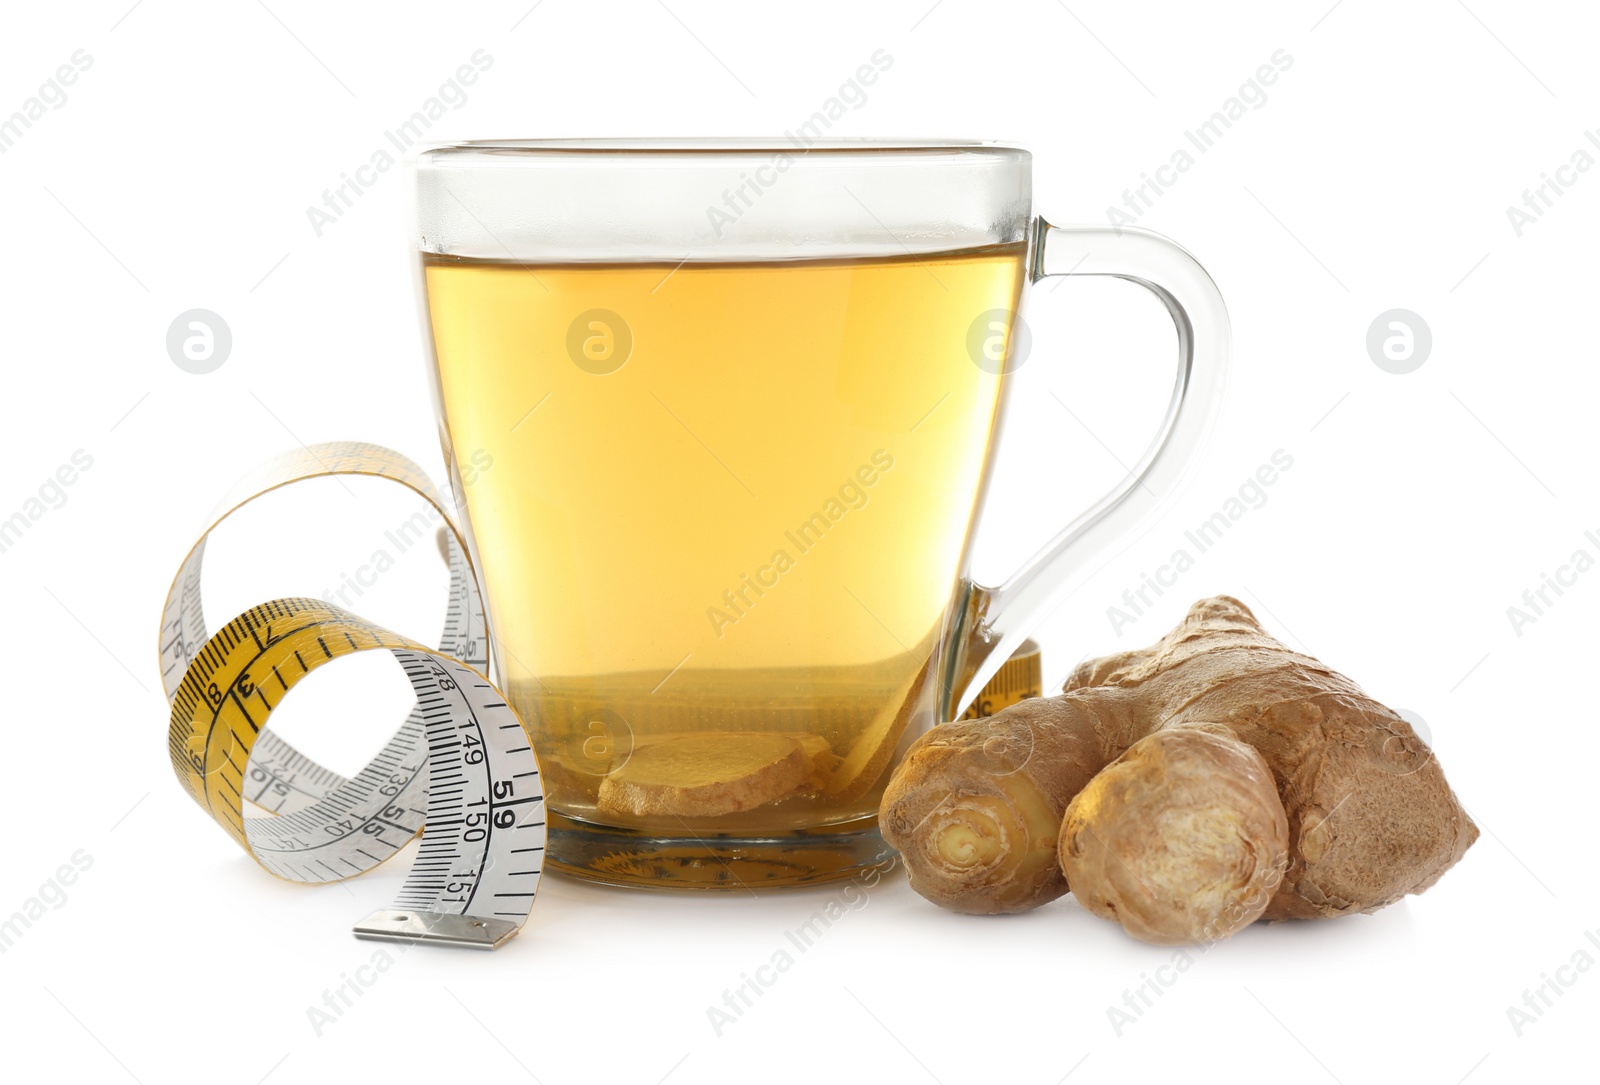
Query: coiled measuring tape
[[460, 769]]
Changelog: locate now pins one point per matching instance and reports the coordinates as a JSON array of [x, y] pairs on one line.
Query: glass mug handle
[[993, 622]]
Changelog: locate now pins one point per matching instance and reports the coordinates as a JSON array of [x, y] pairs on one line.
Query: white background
[[1418, 509]]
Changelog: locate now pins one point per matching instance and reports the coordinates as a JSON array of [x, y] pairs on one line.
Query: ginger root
[[1186, 790]]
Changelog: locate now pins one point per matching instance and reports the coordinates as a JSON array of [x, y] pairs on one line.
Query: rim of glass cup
[[655, 199], [713, 145]]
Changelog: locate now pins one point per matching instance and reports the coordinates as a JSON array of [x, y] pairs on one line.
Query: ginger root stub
[[975, 808], [1191, 787], [1181, 839]]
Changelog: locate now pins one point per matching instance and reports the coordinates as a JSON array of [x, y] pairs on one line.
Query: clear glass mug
[[720, 416]]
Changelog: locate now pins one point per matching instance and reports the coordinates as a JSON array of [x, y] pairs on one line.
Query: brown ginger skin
[[1179, 839], [975, 807]]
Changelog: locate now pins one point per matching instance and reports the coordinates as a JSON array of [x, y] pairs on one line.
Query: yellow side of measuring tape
[[1019, 678], [460, 768]]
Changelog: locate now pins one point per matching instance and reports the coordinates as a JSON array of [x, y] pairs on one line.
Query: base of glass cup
[[637, 859]]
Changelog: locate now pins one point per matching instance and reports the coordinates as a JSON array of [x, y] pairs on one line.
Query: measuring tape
[[1018, 678], [460, 769]]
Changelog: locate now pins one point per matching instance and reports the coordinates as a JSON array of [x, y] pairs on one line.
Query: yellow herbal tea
[[719, 510]]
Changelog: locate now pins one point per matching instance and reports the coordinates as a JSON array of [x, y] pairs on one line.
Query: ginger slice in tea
[[869, 754], [705, 774], [823, 760]]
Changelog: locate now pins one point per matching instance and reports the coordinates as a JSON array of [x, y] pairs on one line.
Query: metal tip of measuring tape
[[468, 932]]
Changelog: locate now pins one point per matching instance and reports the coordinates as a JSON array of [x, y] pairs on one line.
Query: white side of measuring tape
[[460, 768]]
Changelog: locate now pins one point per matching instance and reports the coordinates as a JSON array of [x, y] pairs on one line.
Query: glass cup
[[720, 416]]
